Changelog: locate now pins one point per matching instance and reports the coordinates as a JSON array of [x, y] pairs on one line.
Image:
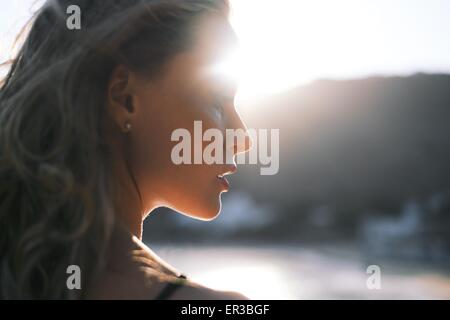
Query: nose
[[242, 139]]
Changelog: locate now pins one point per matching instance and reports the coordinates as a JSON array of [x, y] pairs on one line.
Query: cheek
[[191, 189], [154, 131], [150, 149]]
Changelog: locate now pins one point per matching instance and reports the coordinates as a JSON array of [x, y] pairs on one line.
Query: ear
[[120, 99]]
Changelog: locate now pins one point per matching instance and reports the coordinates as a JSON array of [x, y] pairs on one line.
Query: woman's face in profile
[[184, 93]]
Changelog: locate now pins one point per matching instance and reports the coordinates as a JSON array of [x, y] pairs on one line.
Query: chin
[[206, 209], [204, 206], [211, 211]]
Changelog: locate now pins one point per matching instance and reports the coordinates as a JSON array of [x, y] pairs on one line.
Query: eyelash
[[219, 106], [220, 102]]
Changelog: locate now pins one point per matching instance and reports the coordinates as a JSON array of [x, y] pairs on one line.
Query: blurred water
[[290, 272]]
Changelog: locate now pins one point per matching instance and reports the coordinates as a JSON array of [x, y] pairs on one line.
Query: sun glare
[[286, 43]]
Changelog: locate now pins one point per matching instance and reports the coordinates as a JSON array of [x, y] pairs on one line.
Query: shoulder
[[186, 289], [146, 284], [138, 273], [193, 291]]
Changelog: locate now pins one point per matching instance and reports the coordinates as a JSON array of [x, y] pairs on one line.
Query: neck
[[130, 207], [128, 203], [126, 197]]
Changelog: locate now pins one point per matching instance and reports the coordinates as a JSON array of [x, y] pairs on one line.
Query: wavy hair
[[56, 181]]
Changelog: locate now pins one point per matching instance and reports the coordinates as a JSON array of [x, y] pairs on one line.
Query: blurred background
[[360, 91]]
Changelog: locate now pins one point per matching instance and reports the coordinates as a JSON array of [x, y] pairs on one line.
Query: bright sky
[[285, 43], [290, 42]]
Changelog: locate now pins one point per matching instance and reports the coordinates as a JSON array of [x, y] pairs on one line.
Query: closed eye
[[221, 101], [219, 107]]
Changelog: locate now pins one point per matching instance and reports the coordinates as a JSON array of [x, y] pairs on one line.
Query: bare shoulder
[[134, 271], [189, 290], [193, 291]]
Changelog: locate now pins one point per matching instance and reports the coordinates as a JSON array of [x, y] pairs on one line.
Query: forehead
[[213, 40], [191, 72]]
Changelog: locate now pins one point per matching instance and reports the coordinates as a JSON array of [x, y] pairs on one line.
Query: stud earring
[[127, 127]]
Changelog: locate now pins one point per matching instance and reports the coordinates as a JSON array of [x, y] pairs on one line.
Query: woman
[[86, 118]]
